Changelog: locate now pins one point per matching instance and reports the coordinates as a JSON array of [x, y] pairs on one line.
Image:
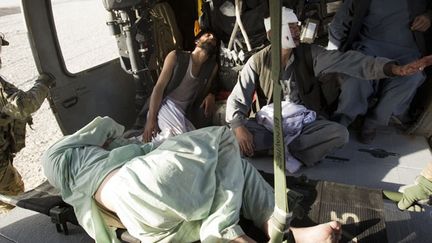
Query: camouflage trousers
[[11, 182]]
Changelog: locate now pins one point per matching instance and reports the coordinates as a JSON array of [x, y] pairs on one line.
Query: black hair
[[216, 50], [203, 32]]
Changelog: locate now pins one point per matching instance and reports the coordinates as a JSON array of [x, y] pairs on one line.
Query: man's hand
[[208, 105], [107, 143], [417, 193], [421, 23], [412, 67], [245, 140], [150, 130]]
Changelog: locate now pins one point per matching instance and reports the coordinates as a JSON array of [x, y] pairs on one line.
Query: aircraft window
[[84, 38]]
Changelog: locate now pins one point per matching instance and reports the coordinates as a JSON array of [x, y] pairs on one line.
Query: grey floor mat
[[360, 210]]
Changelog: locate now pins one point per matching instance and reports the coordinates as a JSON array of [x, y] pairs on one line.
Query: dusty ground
[[19, 68]]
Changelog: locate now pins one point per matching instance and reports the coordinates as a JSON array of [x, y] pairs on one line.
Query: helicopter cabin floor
[[392, 160]]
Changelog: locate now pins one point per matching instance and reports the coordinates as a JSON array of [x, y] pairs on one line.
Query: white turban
[[288, 16]]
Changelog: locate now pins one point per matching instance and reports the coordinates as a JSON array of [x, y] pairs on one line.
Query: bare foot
[[322, 233], [243, 239]]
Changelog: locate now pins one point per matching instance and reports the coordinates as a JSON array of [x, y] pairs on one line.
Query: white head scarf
[[288, 16]]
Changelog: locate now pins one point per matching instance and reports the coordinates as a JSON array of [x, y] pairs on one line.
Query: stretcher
[[360, 208]]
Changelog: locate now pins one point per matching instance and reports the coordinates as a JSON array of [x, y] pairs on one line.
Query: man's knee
[[406, 83], [355, 85], [326, 137], [354, 96], [417, 79], [339, 134]]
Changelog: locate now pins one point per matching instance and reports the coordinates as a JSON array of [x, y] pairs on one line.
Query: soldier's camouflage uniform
[[16, 107]]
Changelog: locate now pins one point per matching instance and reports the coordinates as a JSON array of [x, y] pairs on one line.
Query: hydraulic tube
[[126, 25]]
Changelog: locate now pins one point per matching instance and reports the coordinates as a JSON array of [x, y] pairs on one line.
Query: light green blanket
[[192, 187]]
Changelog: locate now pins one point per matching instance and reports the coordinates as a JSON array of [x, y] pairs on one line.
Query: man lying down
[[192, 187]]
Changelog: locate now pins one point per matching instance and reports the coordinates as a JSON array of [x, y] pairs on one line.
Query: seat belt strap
[[278, 158]]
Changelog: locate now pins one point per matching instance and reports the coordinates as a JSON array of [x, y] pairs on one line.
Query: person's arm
[[340, 26], [393, 69], [240, 100], [208, 103], [57, 159], [98, 132], [422, 22], [21, 104], [151, 127], [361, 66], [239, 103]]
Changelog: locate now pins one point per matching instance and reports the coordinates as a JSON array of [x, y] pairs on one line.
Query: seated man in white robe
[[192, 187]]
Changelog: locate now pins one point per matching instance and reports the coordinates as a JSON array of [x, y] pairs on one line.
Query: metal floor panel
[[403, 227], [360, 210], [355, 164]]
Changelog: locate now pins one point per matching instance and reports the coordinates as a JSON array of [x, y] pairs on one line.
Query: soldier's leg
[[394, 97], [11, 183], [318, 139], [353, 99]]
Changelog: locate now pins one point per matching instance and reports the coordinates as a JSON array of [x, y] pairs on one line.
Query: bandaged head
[[288, 16]]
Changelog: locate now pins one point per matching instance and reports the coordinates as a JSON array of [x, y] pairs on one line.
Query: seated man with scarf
[[302, 65]]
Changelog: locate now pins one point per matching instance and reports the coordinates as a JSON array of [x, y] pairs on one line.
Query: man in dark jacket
[[16, 107], [386, 28]]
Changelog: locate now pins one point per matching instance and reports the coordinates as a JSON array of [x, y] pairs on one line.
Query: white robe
[[293, 118]]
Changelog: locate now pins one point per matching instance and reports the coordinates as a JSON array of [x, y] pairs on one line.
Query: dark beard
[[208, 48]]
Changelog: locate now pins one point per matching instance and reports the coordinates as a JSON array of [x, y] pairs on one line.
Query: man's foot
[[367, 135], [322, 233]]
